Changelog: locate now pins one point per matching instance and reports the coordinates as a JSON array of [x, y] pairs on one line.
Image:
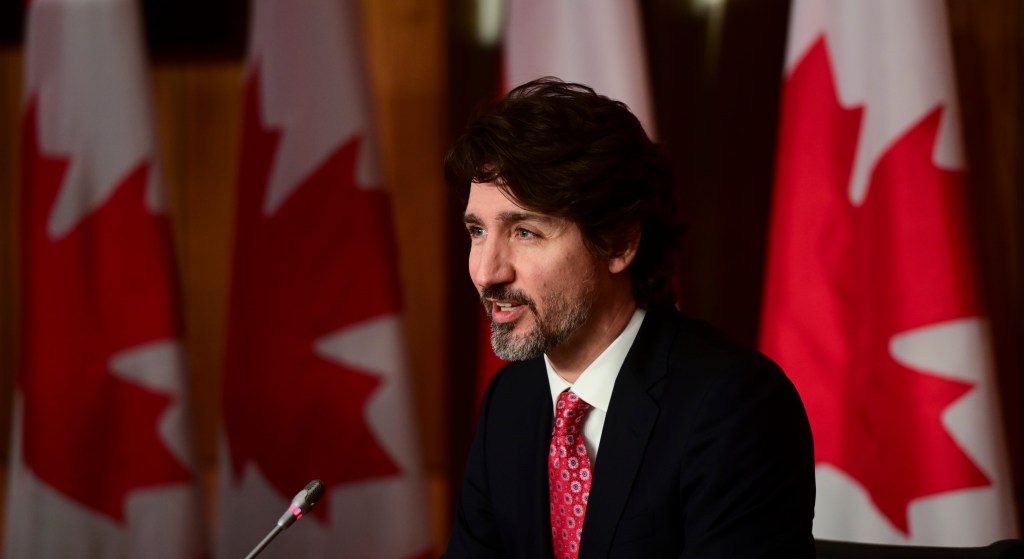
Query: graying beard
[[540, 339]]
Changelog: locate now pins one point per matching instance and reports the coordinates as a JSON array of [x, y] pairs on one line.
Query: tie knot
[[569, 412]]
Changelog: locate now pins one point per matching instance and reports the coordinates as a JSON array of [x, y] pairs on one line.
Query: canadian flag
[[871, 302], [315, 382], [598, 43], [102, 463]]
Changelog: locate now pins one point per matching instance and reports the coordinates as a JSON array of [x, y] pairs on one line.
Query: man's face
[[537, 280]]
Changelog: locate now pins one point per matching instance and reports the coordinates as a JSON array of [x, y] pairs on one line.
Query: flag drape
[[871, 301], [315, 384], [102, 461], [598, 43]]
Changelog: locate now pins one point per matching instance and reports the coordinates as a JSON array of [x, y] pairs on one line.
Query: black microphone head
[[303, 501], [314, 490]]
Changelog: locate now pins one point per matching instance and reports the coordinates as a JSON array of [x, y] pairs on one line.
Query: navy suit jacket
[[706, 452]]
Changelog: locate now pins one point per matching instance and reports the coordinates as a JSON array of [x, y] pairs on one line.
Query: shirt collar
[[596, 382]]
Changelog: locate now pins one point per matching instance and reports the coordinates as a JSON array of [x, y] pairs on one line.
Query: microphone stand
[[266, 540]]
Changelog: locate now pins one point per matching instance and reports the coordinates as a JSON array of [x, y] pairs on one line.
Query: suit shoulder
[[698, 357], [725, 381], [697, 342]]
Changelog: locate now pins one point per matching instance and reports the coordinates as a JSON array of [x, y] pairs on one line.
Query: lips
[[506, 311], [503, 304]]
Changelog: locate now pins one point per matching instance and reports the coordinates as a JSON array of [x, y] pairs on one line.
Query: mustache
[[505, 293]]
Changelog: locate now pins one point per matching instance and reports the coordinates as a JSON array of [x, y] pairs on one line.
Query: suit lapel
[[632, 413], [531, 460]]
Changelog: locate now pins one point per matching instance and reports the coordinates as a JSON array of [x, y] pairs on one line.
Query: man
[[691, 446]]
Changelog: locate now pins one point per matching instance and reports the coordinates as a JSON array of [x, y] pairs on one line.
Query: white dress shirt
[[595, 383]]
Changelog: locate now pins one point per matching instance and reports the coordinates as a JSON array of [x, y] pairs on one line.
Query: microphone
[[303, 501]]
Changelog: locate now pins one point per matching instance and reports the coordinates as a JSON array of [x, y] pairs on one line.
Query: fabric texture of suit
[[706, 452]]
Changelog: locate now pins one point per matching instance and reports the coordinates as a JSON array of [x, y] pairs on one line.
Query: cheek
[[577, 274], [555, 277]]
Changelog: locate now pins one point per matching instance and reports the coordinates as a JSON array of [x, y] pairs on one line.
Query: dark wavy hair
[[562, 150]]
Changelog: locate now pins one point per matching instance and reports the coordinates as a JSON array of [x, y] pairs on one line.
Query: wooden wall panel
[[988, 47], [198, 117], [405, 42]]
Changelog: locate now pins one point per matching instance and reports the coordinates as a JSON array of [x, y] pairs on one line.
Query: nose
[[490, 263]]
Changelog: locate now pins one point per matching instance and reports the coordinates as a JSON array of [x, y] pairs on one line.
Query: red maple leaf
[[102, 288], [845, 280], [322, 262]]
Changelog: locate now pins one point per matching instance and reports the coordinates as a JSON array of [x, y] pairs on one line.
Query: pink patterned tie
[[568, 475]]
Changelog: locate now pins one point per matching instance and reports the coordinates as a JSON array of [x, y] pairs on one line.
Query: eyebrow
[[510, 217]]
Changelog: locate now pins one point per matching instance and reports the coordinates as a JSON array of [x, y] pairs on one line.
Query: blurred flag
[[871, 304], [599, 43], [102, 460], [315, 385]]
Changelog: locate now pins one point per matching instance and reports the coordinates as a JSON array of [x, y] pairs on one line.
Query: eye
[[475, 231], [521, 233]]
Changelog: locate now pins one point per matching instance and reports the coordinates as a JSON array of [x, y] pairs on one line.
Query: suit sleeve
[[474, 531], [749, 487]]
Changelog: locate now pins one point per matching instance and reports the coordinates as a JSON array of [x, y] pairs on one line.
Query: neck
[[572, 357]]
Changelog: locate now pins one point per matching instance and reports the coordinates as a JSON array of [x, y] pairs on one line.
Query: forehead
[[487, 194], [487, 201]]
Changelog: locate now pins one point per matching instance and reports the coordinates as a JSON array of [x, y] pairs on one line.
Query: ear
[[624, 258]]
